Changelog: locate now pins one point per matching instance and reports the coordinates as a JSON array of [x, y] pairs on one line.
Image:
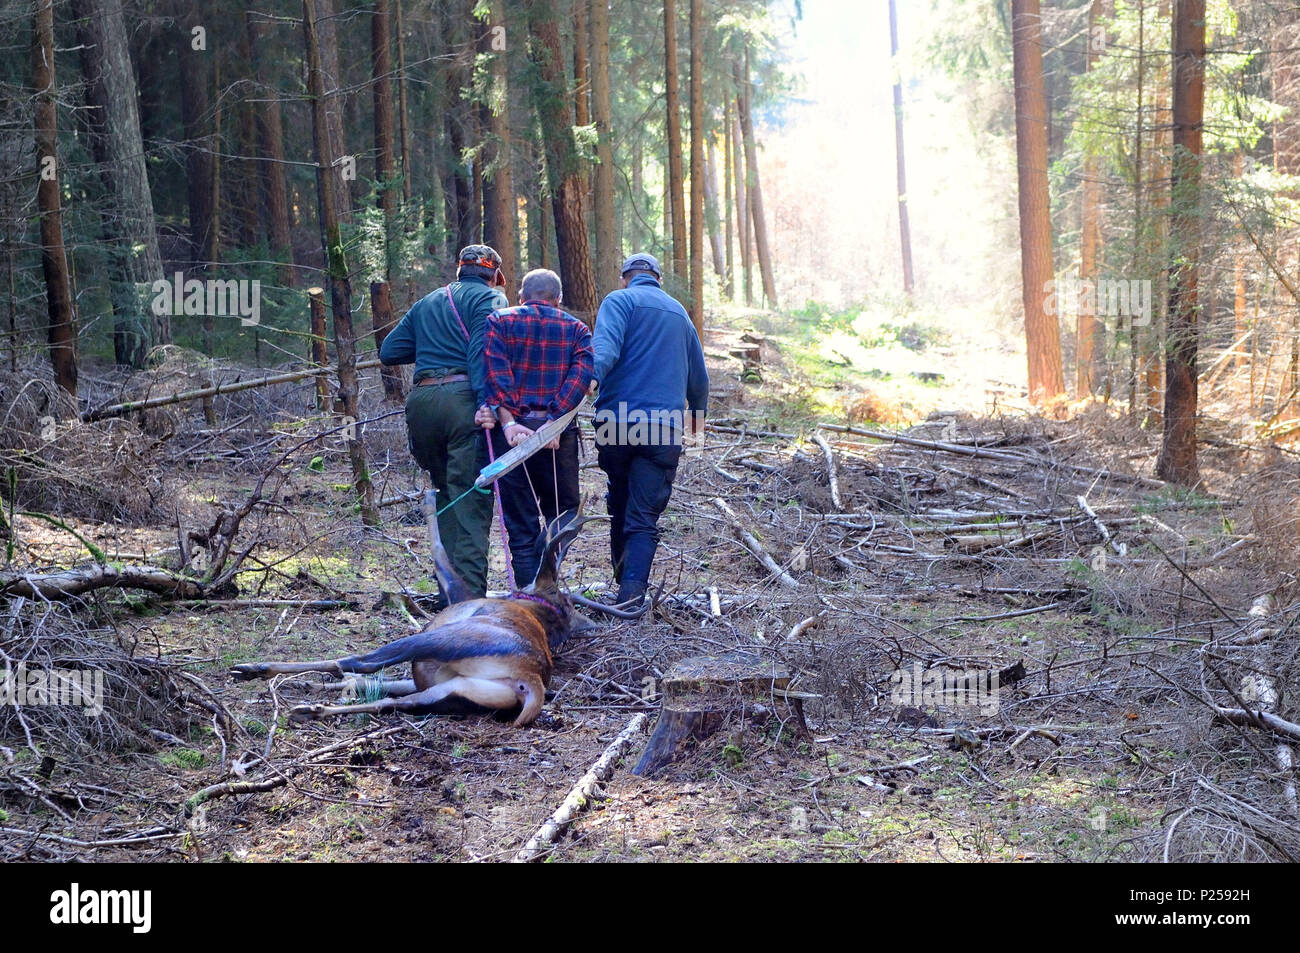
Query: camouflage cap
[[481, 256]]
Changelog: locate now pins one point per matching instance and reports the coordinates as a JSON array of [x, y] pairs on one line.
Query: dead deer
[[474, 655]]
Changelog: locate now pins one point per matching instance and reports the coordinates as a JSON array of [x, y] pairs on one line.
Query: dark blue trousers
[[640, 484]]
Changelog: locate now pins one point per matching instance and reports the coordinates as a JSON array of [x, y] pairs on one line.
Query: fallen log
[[70, 583], [703, 693], [1264, 720], [228, 387], [576, 800]]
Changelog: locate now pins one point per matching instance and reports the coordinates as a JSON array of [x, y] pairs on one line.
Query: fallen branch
[[70, 583], [576, 800], [830, 469], [126, 407], [1264, 720], [748, 540], [980, 453], [225, 788], [1119, 548]]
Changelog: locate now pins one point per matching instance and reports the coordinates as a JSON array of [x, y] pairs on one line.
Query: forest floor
[[948, 560]]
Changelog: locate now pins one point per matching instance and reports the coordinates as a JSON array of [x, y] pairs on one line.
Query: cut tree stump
[[704, 693], [751, 360]]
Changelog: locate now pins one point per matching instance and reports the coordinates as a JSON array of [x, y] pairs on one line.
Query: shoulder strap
[[451, 300]]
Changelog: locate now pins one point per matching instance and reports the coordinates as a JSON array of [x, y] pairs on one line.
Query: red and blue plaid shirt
[[539, 360]]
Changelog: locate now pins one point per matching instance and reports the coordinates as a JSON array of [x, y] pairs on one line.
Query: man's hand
[[592, 389], [485, 418], [516, 434]]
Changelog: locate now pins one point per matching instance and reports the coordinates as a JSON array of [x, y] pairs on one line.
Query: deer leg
[[388, 687], [486, 692]]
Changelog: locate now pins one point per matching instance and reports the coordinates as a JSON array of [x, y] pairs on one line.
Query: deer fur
[[474, 655]]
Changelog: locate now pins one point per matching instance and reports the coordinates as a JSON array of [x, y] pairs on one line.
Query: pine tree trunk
[[607, 262], [753, 188], [581, 81], [697, 165], [195, 68], [247, 193], [1239, 320], [336, 270], [118, 149], [1285, 42], [381, 68], [402, 114], [1177, 461], [712, 220], [1042, 332], [676, 207], [381, 322], [346, 190], [904, 227], [270, 137], [729, 279], [563, 165], [742, 206], [1089, 333], [54, 262], [500, 219]]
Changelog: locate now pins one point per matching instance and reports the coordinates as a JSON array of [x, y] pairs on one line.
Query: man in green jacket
[[446, 411]]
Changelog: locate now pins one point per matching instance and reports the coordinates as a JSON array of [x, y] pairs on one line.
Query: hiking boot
[[631, 594]]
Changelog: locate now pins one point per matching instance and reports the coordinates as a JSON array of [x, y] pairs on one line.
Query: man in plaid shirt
[[538, 362]]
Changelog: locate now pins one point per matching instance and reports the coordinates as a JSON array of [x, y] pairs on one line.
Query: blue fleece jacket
[[648, 356]]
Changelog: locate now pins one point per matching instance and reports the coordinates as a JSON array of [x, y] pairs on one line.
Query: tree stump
[[751, 360], [703, 693]]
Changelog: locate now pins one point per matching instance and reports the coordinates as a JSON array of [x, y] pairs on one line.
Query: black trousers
[[640, 484], [554, 475]]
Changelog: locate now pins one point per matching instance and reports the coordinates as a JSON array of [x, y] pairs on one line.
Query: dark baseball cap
[[642, 262]]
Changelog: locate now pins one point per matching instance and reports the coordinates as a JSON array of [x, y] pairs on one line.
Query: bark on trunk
[[1089, 334], [129, 231], [404, 132], [270, 138], [500, 223], [676, 207], [336, 267], [381, 68], [752, 185], [607, 260], [54, 262], [697, 166], [711, 218], [729, 280], [1177, 461], [564, 168], [1042, 332], [742, 207], [382, 321]]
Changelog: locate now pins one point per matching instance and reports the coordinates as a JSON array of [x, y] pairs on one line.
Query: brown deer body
[[474, 655]]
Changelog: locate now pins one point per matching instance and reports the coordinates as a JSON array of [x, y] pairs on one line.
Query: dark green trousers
[[445, 441]]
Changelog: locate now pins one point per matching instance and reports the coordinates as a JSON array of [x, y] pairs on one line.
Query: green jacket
[[430, 336]]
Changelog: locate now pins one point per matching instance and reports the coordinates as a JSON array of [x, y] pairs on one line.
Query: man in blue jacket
[[653, 387], [447, 408]]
